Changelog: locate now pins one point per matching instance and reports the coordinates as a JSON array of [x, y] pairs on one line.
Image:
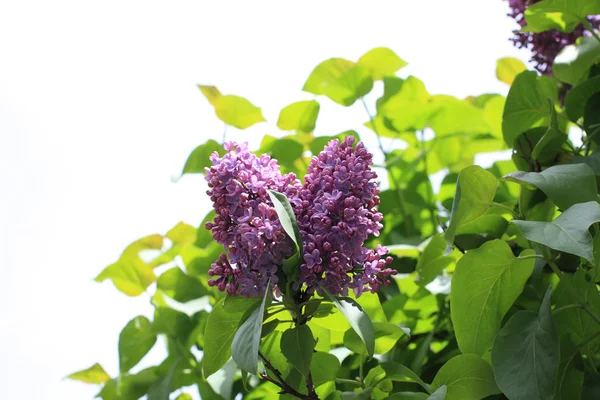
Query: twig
[[282, 383]]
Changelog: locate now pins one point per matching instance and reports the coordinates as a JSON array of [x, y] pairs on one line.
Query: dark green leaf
[[591, 386], [573, 63], [475, 191], [566, 185], [221, 326], [162, 388], [199, 158], [526, 354], [570, 370], [246, 342], [297, 346], [552, 138], [300, 116], [381, 61], [94, 374], [526, 105], [341, 80], [466, 377], [364, 394], [408, 396], [358, 319], [577, 323], [568, 232], [577, 97], [135, 340], [486, 283]]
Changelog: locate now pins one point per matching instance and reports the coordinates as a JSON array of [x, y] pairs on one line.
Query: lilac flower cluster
[[246, 224], [336, 214], [546, 45], [335, 211]]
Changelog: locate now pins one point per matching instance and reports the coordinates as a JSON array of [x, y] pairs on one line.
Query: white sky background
[[99, 108]]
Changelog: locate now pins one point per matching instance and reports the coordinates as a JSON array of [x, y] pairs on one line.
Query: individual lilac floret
[[546, 45], [336, 214], [246, 224]]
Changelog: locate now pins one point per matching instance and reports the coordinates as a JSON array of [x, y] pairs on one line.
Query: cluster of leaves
[[497, 292]]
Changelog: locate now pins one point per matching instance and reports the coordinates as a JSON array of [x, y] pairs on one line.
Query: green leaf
[[199, 158], [297, 346], [381, 61], [508, 68], [130, 274], [179, 286], [568, 232], [323, 368], [526, 105], [400, 373], [433, 261], [566, 184], [135, 341], [466, 377], [570, 370], [486, 283], [577, 323], [573, 63], [577, 98], [94, 374], [475, 191], [386, 336], [358, 319], [439, 394], [271, 349], [162, 388], [563, 15], [364, 394], [300, 116], [341, 80], [552, 138], [526, 354], [408, 396], [182, 233], [221, 326], [410, 108], [286, 215], [287, 151], [246, 342], [184, 396]]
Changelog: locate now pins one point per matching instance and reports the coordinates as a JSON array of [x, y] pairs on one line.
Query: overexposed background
[[99, 109]]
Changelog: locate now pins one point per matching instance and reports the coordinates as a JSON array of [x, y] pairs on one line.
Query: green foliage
[[496, 294], [559, 14]]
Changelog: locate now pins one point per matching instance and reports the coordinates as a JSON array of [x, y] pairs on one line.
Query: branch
[[282, 383]]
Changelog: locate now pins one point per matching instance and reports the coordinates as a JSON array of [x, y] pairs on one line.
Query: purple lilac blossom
[[247, 224], [336, 214], [544, 46]]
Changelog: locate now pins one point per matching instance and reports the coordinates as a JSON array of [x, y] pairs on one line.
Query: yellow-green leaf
[[182, 233], [508, 68], [94, 374], [210, 92], [299, 116], [237, 111], [381, 61]]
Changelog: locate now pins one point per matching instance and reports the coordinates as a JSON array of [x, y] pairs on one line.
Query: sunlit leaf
[[210, 92], [573, 62], [300, 116], [486, 283], [381, 61], [94, 374], [508, 68], [559, 14], [467, 377]]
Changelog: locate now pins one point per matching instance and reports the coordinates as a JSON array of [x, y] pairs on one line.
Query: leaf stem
[[532, 256], [502, 206], [348, 381], [361, 374], [567, 307]]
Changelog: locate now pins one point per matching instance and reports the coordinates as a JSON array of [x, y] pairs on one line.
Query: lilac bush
[[335, 210], [546, 45]]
